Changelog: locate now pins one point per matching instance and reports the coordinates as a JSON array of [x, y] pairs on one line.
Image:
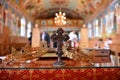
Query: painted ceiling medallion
[[59, 2]]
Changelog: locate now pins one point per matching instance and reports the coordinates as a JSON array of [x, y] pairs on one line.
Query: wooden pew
[[100, 55]]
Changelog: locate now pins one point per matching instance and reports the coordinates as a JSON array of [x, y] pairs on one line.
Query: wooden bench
[[100, 55]]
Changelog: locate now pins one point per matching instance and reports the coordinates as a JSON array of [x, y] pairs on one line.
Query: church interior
[[59, 39]]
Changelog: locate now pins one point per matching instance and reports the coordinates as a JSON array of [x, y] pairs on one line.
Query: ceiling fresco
[[74, 9]]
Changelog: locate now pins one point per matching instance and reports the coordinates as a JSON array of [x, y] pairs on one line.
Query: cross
[[59, 37]]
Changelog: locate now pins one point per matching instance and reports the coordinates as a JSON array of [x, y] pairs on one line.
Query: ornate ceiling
[[74, 9]]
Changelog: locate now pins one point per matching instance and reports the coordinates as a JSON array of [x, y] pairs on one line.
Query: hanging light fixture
[[60, 18]]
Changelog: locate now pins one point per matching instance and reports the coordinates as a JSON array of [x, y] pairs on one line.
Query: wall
[[7, 41]]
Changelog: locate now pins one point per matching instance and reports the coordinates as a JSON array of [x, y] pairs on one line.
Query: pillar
[[84, 42]]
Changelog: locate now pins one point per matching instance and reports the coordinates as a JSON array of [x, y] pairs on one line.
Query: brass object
[[77, 54], [26, 53]]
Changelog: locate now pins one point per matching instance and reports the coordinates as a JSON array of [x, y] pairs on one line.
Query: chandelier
[[60, 18]]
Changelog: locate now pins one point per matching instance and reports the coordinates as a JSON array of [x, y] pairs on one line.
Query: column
[[84, 37]]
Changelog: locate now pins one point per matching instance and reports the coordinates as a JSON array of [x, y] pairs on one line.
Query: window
[[22, 27], [109, 23], [96, 28], [89, 30], [28, 29]]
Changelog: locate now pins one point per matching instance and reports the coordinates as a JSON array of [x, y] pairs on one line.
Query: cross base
[[58, 64]]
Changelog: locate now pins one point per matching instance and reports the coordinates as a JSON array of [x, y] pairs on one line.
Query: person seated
[[107, 43], [98, 43]]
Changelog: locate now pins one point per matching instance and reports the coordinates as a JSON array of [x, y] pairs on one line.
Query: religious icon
[[43, 22]]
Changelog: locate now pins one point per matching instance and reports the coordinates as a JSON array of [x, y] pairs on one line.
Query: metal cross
[[59, 37]]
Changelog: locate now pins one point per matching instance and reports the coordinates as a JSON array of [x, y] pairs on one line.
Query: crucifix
[[59, 37]]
